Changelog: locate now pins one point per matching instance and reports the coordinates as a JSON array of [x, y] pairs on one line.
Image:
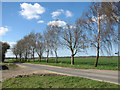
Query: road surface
[[100, 75]]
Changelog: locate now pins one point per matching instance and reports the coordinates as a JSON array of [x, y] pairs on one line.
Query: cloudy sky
[[19, 19]]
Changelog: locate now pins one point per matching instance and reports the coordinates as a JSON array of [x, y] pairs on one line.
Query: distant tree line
[[95, 28]]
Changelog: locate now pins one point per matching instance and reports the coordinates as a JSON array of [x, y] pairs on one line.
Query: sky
[[19, 19]]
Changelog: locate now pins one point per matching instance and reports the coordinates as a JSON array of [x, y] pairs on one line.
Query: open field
[[104, 63], [55, 82]]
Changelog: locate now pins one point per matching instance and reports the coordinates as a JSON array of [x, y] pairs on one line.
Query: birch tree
[[101, 29]]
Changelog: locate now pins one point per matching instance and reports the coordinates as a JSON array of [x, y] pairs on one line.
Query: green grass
[[10, 65], [104, 63], [55, 82]]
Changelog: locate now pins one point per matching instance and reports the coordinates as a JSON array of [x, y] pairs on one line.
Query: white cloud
[[68, 13], [30, 11], [41, 21], [3, 30], [57, 13], [54, 14], [57, 23]]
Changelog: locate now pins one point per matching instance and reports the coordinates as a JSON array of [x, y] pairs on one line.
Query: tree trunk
[[20, 58], [56, 57], [28, 59], [33, 56], [72, 59], [26, 56], [47, 56], [40, 58], [97, 57], [47, 59], [3, 57], [16, 57]]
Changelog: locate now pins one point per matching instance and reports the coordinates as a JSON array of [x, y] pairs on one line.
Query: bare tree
[[40, 47], [111, 9], [74, 39], [20, 48], [54, 35], [32, 44], [47, 43], [15, 51], [100, 28], [27, 47]]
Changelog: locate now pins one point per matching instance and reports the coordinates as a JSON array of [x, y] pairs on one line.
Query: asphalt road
[[100, 75]]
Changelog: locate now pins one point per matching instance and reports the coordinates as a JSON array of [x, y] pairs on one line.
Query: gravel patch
[[23, 72]]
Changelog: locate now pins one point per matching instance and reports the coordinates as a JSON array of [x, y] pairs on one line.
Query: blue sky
[[18, 25]]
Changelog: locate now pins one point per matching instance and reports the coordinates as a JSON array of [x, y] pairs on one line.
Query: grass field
[[55, 82], [104, 63]]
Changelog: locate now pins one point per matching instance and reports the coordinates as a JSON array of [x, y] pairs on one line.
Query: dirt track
[[6, 74], [30, 69]]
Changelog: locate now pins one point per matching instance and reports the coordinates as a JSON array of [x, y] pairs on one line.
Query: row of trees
[[96, 28], [52, 39]]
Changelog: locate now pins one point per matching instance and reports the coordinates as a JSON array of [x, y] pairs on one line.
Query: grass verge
[[55, 82]]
